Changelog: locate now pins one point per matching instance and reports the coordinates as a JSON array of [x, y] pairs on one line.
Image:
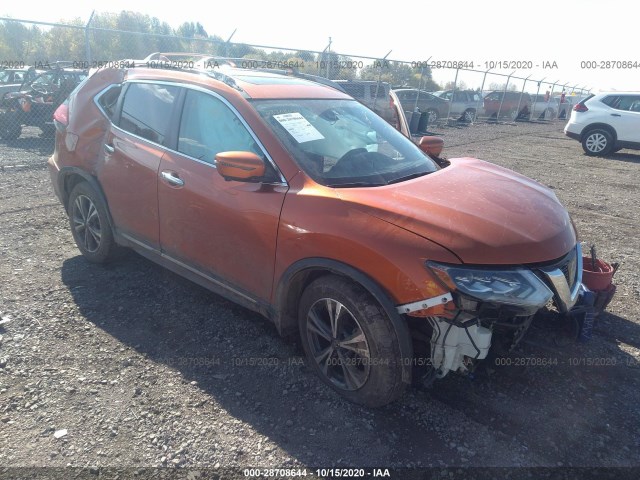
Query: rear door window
[[147, 109], [628, 103], [411, 96], [378, 91]]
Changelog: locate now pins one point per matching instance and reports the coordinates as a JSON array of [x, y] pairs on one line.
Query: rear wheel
[[597, 142], [432, 116], [90, 225], [469, 116], [350, 341], [10, 128]]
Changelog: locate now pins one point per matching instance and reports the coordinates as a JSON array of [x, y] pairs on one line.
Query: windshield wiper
[[354, 184], [409, 177]]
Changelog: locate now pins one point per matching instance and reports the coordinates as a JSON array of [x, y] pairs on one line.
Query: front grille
[[568, 268], [562, 276]]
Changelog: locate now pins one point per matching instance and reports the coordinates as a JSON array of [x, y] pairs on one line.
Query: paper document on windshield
[[299, 127]]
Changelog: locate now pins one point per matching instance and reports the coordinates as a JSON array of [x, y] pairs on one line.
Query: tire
[[432, 115], [10, 132], [368, 371], [90, 225], [597, 142], [469, 116]]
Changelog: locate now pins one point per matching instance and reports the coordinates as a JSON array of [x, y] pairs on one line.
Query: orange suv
[[291, 198]]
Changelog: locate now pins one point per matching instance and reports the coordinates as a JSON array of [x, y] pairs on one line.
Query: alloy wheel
[[338, 344], [596, 142], [86, 223], [469, 116]]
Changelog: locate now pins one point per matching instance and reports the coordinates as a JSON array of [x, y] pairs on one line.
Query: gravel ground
[[129, 365]]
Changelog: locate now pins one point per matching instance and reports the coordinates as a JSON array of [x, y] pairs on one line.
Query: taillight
[[61, 116], [580, 107]]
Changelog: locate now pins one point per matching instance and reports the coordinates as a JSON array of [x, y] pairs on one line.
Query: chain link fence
[[42, 62]]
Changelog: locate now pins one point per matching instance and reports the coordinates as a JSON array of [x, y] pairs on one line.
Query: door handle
[[110, 149], [172, 178], [616, 115]]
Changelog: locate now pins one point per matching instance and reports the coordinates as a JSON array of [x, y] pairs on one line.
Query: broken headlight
[[518, 287]]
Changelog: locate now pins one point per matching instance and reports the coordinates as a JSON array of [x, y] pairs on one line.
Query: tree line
[[133, 35]]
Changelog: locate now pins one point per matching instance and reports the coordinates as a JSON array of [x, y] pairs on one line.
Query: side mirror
[[432, 146], [240, 166]]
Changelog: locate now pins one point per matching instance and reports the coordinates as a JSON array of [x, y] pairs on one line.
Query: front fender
[[300, 274]]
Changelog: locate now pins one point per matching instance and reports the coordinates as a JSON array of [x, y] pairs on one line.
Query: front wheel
[[90, 225], [597, 142], [350, 342]]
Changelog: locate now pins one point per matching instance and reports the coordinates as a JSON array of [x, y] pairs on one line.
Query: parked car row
[[468, 105], [34, 101], [11, 79]]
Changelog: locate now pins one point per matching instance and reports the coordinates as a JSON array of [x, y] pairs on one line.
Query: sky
[[573, 38]]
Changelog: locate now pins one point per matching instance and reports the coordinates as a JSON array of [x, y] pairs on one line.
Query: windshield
[[5, 76], [341, 143], [50, 79], [44, 79]]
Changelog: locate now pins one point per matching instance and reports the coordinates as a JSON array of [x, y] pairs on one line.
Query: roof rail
[[266, 65], [203, 63], [179, 57]]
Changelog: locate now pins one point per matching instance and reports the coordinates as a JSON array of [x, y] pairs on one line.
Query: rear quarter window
[[108, 100]]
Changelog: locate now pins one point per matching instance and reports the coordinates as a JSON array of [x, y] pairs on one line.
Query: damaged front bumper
[[486, 302]]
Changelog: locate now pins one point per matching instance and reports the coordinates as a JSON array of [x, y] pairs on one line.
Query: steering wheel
[[345, 161], [348, 157]]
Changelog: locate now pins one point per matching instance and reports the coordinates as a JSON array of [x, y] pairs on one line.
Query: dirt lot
[[145, 369]]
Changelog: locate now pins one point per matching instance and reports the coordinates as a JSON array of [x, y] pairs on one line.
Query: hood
[[483, 213]]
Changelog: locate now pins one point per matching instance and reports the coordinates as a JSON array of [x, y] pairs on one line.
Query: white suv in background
[[606, 122]]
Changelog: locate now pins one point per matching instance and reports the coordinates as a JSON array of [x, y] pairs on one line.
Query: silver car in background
[[544, 107], [464, 103]]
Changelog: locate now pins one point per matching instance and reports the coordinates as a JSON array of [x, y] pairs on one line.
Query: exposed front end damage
[[491, 309], [453, 345]]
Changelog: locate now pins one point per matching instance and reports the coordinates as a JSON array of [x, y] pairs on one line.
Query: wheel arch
[[69, 177], [300, 274], [603, 126]]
